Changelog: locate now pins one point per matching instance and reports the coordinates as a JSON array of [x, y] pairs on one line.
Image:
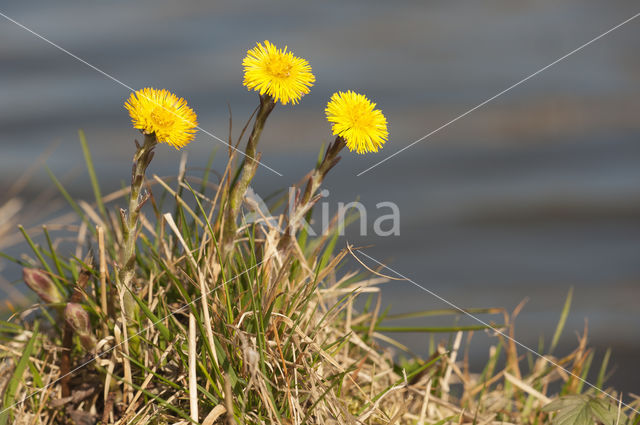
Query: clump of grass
[[258, 337], [178, 311]]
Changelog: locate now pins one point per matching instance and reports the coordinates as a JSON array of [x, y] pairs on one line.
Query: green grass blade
[[603, 369], [14, 260], [44, 263], [562, 322], [54, 255], [447, 419], [434, 329], [92, 174], [68, 197], [166, 333], [207, 171], [442, 312], [37, 379], [585, 373], [162, 402], [16, 378], [400, 381], [9, 327], [328, 251]]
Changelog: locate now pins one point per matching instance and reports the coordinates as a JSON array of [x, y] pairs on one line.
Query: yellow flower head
[[163, 113], [277, 73], [354, 118]]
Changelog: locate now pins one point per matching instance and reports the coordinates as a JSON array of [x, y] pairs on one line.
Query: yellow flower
[[163, 113], [354, 118], [277, 73]]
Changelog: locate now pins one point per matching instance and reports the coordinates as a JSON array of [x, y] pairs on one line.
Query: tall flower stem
[[329, 160], [141, 160], [249, 168], [314, 182]]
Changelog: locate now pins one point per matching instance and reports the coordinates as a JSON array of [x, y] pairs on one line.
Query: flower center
[[359, 117], [279, 68], [162, 118]]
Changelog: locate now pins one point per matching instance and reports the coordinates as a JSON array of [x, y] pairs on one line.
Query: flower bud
[[78, 319], [40, 282]]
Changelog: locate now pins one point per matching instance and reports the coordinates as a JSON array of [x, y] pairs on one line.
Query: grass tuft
[[210, 322]]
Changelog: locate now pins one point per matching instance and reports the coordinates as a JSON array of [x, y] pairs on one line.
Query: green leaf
[[584, 410], [606, 412]]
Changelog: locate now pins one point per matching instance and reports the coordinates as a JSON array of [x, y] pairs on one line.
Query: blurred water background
[[528, 196]]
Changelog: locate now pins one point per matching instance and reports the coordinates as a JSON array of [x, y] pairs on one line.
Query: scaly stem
[[141, 160], [249, 168], [314, 182], [129, 219], [328, 162]]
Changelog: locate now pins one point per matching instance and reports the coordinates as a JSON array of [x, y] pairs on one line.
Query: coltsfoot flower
[[354, 118], [163, 113], [277, 73]]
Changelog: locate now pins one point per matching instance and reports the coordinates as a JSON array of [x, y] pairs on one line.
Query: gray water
[[526, 197]]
